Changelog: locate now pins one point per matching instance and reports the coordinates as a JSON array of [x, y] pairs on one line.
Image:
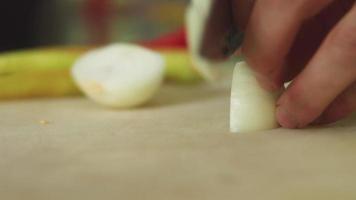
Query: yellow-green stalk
[[45, 72]]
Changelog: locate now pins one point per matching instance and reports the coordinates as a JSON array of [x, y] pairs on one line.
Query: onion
[[119, 75], [252, 107]]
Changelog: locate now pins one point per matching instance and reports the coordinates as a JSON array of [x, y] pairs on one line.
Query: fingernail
[[285, 118]]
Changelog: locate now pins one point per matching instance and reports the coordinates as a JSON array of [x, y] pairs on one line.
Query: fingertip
[[269, 75], [293, 110], [267, 83], [285, 118]]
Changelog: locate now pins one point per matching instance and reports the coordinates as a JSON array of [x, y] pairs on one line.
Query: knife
[[224, 28]]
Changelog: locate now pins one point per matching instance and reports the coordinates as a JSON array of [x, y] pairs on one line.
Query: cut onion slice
[[252, 107]]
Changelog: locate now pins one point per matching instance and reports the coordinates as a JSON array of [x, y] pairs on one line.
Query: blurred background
[[31, 23]]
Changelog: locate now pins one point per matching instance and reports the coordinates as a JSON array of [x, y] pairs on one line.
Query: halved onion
[[119, 75]]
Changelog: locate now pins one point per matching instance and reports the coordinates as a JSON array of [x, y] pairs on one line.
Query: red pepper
[[176, 39]]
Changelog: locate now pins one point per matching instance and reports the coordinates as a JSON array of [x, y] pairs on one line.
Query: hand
[[312, 42]]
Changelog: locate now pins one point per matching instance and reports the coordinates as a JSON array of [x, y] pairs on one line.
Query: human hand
[[313, 43]]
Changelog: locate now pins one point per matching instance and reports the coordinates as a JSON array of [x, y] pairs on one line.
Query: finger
[[328, 74], [343, 106], [312, 34], [306, 43], [271, 31], [241, 10]]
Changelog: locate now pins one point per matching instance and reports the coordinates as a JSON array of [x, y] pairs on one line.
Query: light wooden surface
[[177, 147]]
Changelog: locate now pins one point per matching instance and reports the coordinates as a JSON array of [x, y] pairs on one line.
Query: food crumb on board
[[44, 122]]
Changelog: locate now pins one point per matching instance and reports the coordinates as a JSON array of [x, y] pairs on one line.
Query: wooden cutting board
[[176, 147]]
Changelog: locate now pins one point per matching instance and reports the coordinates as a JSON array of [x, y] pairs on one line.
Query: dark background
[[31, 23], [17, 23]]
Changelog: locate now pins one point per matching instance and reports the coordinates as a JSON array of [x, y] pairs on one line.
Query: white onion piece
[[252, 107], [119, 75]]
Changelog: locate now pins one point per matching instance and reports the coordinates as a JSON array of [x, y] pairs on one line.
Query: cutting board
[[176, 147]]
